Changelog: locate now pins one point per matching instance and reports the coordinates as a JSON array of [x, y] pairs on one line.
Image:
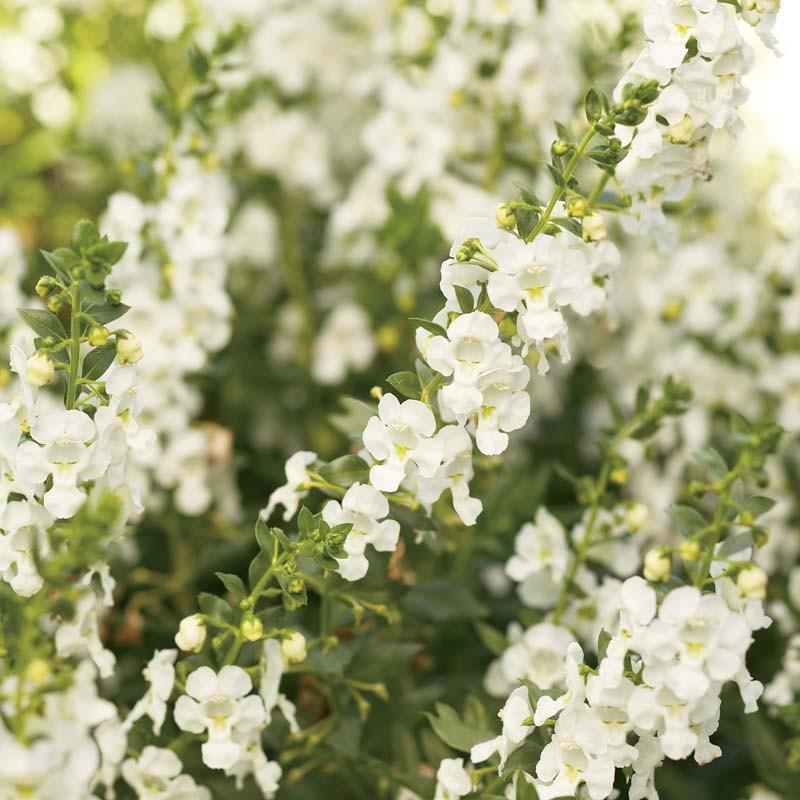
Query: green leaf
[[556, 175], [83, 235], [494, 641], [525, 758], [106, 313], [305, 522], [406, 383], [431, 327], [450, 728], [98, 361], [758, 504], [258, 566], [525, 790], [62, 260], [688, 519], [712, 463], [233, 583], [443, 600], [465, 299], [602, 644], [216, 609], [44, 323], [592, 106], [345, 471], [526, 221], [735, 544]]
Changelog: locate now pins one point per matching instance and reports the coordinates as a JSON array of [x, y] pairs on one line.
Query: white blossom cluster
[[173, 275], [32, 58], [702, 93], [659, 680], [222, 708]]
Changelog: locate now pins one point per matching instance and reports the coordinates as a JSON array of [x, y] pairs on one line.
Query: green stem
[[75, 348], [572, 165]]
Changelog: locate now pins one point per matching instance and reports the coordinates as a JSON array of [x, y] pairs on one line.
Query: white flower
[[289, 495], [452, 780], [129, 349], [220, 705], [345, 343], [364, 508], [540, 560], [160, 674], [505, 406], [23, 530], [156, 775], [67, 457], [536, 655], [272, 667], [517, 717], [399, 437], [191, 633]]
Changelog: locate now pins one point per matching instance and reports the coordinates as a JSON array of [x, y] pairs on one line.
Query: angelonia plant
[[426, 615]]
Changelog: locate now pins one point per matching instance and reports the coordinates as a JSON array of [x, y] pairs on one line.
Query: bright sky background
[[774, 107]]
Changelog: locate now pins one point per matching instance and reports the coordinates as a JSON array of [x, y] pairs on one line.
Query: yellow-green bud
[[751, 582], [561, 148], [40, 369], [577, 207], [690, 550], [504, 217], [191, 634], [294, 648], [38, 672], [657, 566], [252, 629], [129, 349], [594, 227], [98, 336]]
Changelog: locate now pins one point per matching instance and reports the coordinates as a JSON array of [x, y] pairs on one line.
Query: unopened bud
[[690, 550], [40, 369], [637, 516], [98, 336], [657, 566], [561, 148], [577, 207], [45, 286], [594, 227], [504, 217], [38, 672], [751, 583], [191, 634], [129, 349], [294, 648], [252, 629]]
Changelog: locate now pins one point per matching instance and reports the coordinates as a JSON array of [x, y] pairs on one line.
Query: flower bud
[[40, 369], [45, 286], [682, 132], [38, 672], [252, 629], [577, 207], [191, 634], [594, 227], [504, 217], [657, 565], [294, 648], [98, 336], [129, 349], [561, 148], [690, 550], [752, 582], [637, 516]]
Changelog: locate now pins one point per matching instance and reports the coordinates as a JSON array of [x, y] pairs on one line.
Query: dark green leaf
[[450, 728], [44, 323], [98, 361], [233, 583], [465, 299], [346, 470], [431, 327], [406, 383]]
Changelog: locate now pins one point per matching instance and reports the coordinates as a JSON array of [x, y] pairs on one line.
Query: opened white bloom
[[452, 780], [401, 436], [290, 494], [363, 507], [272, 667], [160, 674], [66, 437], [156, 775], [540, 560], [23, 530], [221, 705]]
